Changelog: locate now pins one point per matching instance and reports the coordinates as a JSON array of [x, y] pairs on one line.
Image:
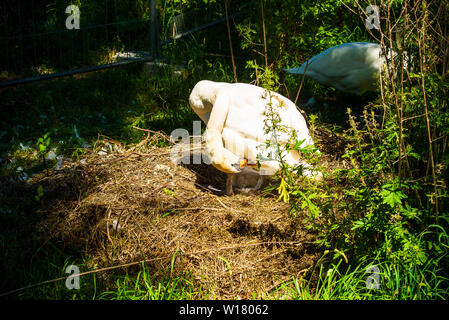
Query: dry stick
[[257, 75], [154, 259], [286, 90], [224, 206], [154, 132], [391, 76], [230, 40], [382, 45], [198, 208], [414, 117], [429, 133], [264, 35], [445, 36], [401, 105], [108, 139], [403, 156], [259, 53], [382, 95], [440, 137], [302, 80], [139, 154], [407, 163]]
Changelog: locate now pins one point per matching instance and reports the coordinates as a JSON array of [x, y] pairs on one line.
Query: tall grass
[[343, 282]]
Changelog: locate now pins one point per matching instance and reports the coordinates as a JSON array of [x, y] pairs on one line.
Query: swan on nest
[[235, 115]]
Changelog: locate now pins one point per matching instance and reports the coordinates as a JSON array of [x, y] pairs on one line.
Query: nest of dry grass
[[134, 204]]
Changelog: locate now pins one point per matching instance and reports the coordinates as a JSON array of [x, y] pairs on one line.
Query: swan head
[[203, 96]]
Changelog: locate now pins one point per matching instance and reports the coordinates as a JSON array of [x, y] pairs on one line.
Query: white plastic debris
[[25, 147], [115, 225], [109, 146], [51, 155], [22, 176], [76, 132], [58, 165], [81, 141]]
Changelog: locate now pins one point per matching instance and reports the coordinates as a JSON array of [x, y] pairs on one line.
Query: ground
[[121, 205]]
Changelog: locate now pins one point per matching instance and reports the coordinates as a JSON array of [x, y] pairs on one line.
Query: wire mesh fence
[[35, 40], [37, 44]]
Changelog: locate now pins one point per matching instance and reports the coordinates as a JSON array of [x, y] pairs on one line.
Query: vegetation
[[383, 202]]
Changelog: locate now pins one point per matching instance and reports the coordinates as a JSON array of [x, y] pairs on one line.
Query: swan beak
[[242, 164]]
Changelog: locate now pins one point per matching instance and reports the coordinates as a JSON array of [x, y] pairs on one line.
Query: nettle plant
[[290, 176], [375, 199], [392, 189], [360, 208]]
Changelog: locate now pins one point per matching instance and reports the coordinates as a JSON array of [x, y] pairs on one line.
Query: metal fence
[[37, 44]]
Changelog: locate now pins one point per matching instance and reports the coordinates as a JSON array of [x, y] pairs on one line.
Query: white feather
[[351, 67]]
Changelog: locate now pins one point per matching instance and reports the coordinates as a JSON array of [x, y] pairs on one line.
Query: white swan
[[235, 115], [351, 67]]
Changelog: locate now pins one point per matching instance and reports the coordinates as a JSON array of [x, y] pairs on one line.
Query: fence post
[[154, 34]]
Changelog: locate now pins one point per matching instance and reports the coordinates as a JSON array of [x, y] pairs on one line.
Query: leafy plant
[[43, 144]]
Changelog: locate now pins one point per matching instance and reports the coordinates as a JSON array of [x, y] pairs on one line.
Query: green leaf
[[392, 195], [282, 189]]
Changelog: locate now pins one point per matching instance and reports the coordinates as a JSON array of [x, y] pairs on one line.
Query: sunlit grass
[[394, 281]]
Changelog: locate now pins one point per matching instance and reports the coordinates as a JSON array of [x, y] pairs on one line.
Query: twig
[[155, 259], [224, 206], [257, 75], [164, 136], [198, 208], [230, 40], [264, 35], [302, 80], [421, 48]]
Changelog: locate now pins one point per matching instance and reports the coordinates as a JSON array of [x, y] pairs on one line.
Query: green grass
[[396, 281], [74, 111], [148, 286]]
